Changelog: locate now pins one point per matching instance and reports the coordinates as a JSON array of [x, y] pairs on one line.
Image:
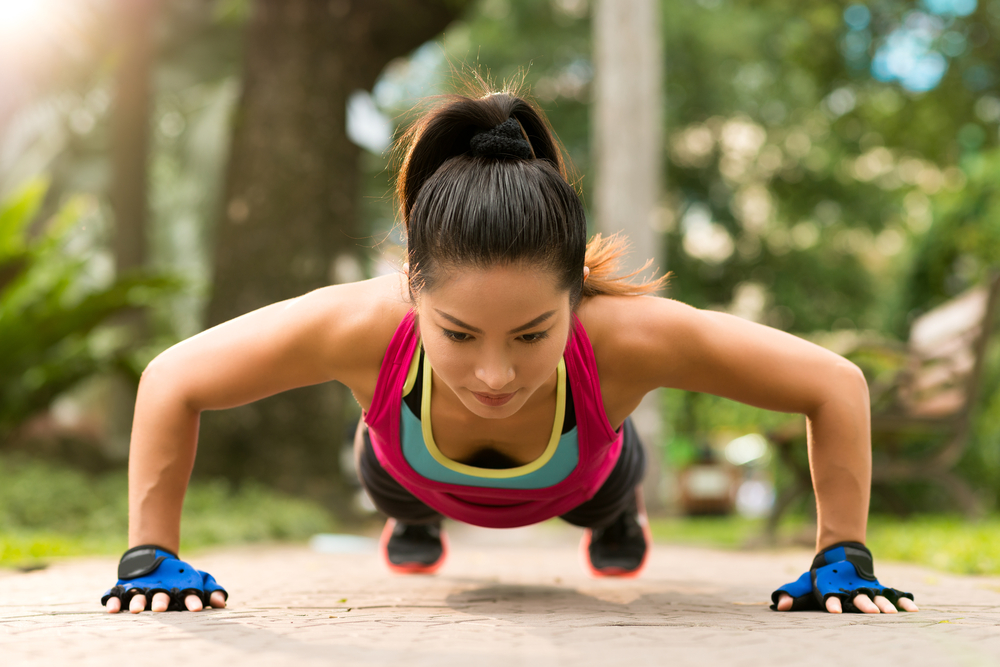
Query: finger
[[833, 605], [907, 604], [218, 600], [865, 604], [114, 605], [137, 604], [193, 603], [160, 602], [784, 602], [884, 605]]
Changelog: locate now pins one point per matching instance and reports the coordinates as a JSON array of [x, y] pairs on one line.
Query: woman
[[497, 374]]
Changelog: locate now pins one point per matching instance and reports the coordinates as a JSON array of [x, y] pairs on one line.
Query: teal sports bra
[[558, 460]]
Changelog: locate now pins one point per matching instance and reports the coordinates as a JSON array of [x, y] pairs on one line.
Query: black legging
[[615, 496]]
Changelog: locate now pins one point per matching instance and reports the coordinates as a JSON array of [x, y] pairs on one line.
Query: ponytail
[[603, 258]]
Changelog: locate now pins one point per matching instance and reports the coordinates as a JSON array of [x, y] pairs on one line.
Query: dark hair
[[462, 209]]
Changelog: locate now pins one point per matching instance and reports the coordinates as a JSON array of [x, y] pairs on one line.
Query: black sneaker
[[621, 549], [413, 548]]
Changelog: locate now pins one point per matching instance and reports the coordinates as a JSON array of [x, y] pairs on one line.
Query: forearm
[[161, 455], [840, 461]]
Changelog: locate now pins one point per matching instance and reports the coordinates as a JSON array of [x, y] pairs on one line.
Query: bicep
[[321, 336], [678, 346]]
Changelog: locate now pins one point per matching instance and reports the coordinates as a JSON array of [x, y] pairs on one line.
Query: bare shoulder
[[642, 343], [352, 325], [337, 333], [637, 339]]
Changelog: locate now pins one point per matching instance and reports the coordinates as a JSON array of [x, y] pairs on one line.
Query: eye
[[534, 337], [456, 336]]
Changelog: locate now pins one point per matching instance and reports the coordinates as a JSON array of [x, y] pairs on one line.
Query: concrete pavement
[[504, 598]]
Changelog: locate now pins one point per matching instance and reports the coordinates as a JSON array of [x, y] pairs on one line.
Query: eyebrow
[[533, 323]]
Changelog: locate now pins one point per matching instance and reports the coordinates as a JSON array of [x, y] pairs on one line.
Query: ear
[[586, 273], [406, 268]]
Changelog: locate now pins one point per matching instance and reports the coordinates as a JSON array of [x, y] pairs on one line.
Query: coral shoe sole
[[618, 572], [414, 567]]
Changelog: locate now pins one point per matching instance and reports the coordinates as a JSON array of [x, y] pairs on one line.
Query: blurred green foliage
[[963, 243], [52, 308], [48, 510]]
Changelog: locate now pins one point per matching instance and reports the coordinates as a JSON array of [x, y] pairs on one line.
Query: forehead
[[511, 290]]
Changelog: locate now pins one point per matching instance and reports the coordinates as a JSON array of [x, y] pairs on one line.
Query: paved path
[[504, 598]]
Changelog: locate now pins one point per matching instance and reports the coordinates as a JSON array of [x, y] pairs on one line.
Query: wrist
[[141, 560]]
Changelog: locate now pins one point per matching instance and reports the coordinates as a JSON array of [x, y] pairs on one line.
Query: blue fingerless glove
[[149, 569], [844, 570]]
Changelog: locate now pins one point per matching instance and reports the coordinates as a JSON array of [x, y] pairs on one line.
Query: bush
[[53, 310], [48, 510]]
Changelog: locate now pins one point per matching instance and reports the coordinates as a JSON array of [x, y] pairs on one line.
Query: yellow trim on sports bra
[[504, 473], [411, 376]]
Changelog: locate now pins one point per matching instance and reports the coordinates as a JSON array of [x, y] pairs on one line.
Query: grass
[[949, 543], [48, 511]]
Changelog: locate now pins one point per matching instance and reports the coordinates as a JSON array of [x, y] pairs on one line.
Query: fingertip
[[137, 604], [833, 605], [784, 602], [884, 605], [193, 603], [865, 604], [217, 600], [114, 605], [161, 601]]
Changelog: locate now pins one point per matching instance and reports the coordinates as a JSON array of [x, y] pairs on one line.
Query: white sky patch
[[366, 125]]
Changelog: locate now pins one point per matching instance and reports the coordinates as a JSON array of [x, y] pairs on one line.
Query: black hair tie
[[504, 140]]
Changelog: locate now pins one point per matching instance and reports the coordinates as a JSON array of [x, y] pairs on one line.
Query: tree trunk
[[291, 210], [129, 188], [628, 108]]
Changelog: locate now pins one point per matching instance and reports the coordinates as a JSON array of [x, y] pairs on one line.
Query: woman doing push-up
[[497, 373]]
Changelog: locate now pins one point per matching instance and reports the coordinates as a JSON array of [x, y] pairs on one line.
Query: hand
[[841, 579], [162, 600], [149, 570], [862, 602]]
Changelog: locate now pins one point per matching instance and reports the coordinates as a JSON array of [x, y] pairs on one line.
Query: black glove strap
[[857, 555], [141, 560]]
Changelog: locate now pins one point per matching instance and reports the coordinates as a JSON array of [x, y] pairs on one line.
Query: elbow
[[843, 387], [848, 387], [854, 380], [163, 377], [158, 371]]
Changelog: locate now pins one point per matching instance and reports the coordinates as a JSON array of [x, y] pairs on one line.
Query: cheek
[[450, 362], [536, 363]]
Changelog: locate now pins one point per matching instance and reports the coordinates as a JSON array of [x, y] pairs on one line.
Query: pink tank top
[[599, 444]]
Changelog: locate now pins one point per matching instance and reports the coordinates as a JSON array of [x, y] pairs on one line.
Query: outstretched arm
[[668, 344], [334, 333]]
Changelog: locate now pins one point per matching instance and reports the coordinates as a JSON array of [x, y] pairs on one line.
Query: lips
[[493, 400]]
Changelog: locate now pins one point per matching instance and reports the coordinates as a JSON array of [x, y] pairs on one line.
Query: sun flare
[[18, 15]]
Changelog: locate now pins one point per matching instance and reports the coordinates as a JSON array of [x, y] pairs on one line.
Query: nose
[[495, 371]]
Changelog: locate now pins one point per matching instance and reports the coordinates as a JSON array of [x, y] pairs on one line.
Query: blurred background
[[827, 168]]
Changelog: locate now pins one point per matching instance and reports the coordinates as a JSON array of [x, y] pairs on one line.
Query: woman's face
[[494, 336]]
